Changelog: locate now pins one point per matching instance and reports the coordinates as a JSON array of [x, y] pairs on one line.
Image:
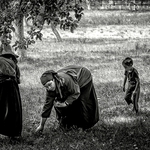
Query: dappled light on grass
[[121, 119], [145, 109], [119, 114], [104, 61], [102, 53]]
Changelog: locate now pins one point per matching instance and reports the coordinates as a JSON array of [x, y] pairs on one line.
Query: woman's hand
[[39, 129], [41, 126], [58, 104]]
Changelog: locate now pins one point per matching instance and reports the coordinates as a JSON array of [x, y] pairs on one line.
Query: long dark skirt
[[83, 112], [10, 109]]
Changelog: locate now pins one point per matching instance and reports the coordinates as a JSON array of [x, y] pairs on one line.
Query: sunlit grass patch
[[122, 119]]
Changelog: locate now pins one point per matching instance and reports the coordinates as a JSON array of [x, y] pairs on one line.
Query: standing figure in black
[[10, 100]]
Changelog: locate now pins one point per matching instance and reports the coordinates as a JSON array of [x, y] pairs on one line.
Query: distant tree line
[[131, 4]]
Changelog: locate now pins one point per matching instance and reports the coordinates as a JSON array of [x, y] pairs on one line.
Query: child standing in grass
[[133, 90]]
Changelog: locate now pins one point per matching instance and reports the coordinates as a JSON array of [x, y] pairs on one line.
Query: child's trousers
[[130, 98]]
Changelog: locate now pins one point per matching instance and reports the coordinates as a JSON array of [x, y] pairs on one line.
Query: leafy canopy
[[63, 13]]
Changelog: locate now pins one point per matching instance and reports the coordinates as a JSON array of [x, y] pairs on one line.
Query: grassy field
[[119, 128]]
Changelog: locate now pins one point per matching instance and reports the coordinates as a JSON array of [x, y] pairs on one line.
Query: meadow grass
[[109, 17], [118, 128]]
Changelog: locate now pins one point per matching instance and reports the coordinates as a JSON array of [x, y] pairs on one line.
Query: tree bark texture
[[19, 27], [53, 27]]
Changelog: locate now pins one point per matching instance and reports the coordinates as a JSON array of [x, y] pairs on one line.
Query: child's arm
[[124, 83]]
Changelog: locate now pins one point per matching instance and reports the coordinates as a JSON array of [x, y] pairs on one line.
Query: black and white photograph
[[74, 74]]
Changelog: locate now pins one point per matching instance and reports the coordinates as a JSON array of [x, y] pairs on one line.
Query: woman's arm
[[46, 111], [49, 102], [74, 90], [75, 93], [40, 128]]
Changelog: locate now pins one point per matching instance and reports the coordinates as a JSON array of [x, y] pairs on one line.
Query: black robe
[[75, 86], [10, 100]]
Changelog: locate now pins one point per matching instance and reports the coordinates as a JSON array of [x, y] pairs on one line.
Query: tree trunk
[[88, 4], [53, 26], [110, 4], [132, 5], [19, 26], [101, 2]]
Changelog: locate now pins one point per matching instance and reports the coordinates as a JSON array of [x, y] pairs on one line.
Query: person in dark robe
[[10, 100], [71, 91]]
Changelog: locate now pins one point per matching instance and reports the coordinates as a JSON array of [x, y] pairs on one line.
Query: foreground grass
[[119, 128]]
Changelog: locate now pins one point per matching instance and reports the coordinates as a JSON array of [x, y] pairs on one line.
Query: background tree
[[66, 14], [88, 4]]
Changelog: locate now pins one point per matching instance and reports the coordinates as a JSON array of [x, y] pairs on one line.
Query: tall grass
[[104, 17], [119, 128]]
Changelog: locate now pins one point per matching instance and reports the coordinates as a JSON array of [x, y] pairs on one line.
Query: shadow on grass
[[118, 129]]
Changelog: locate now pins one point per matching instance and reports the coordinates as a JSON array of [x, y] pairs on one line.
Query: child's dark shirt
[[132, 75]]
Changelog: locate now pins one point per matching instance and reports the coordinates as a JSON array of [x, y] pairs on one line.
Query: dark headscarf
[[6, 51], [47, 76]]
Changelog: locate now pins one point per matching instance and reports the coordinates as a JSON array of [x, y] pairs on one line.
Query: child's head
[[127, 63]]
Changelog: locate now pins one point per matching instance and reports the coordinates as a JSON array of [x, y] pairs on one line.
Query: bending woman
[[71, 92]]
